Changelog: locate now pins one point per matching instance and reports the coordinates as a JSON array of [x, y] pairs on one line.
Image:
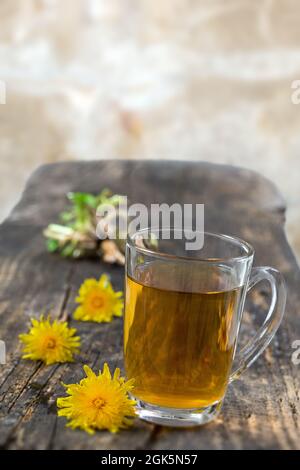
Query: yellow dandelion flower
[[50, 342], [98, 402], [98, 301]]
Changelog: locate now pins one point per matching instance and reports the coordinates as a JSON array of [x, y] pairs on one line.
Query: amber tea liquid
[[179, 333]]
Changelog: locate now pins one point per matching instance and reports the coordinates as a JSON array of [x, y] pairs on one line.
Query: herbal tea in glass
[[180, 331], [183, 310]]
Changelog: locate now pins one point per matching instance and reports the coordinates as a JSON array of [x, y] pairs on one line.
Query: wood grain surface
[[261, 410]]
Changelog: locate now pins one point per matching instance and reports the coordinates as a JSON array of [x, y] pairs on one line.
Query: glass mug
[[183, 311]]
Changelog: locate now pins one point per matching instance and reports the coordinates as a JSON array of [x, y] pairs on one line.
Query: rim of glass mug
[[249, 250]]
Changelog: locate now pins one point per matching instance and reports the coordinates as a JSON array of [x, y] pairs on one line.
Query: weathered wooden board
[[261, 410]]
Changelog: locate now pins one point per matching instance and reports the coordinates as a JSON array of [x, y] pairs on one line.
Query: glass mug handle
[[253, 349]]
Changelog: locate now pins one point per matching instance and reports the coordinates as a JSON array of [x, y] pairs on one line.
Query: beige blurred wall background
[[205, 80]]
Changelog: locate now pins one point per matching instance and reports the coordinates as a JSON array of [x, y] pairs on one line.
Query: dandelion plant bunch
[[75, 235]]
